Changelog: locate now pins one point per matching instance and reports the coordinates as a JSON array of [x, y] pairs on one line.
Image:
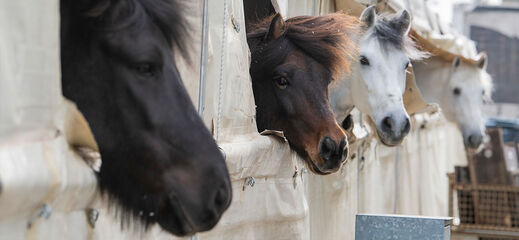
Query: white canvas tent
[[37, 168]]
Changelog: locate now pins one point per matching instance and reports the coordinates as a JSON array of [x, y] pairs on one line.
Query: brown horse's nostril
[[333, 154], [327, 148]]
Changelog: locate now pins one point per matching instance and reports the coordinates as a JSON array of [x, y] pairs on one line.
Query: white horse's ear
[[456, 62], [482, 62], [369, 16], [276, 28], [403, 22]]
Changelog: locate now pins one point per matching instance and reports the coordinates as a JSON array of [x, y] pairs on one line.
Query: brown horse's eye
[[145, 69], [281, 82], [457, 91], [364, 61]]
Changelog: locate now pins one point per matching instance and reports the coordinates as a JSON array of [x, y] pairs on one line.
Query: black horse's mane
[[168, 15]]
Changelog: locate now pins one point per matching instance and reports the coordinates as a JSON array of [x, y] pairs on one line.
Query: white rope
[[222, 65]]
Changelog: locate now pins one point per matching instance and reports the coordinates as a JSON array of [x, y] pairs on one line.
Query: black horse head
[[160, 163]]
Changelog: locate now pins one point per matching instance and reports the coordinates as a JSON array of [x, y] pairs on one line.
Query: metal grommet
[[235, 24], [250, 181], [93, 215], [44, 212]]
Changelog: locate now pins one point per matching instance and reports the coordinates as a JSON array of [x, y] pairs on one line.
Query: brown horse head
[[293, 62]]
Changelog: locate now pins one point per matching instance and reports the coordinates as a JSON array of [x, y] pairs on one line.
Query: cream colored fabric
[[30, 89], [38, 172], [286, 202], [37, 166]]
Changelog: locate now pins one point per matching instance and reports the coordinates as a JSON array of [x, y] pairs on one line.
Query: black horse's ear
[[482, 62], [369, 16], [402, 23], [276, 28], [456, 62]]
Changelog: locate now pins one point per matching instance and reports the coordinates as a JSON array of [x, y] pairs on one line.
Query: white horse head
[[460, 89], [378, 77]]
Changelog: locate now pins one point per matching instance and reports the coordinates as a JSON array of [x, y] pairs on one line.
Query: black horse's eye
[[145, 69], [457, 91], [364, 61], [281, 82], [406, 65]]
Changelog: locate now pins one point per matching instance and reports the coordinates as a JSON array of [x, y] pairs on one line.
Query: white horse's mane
[[485, 79], [488, 85], [387, 35]]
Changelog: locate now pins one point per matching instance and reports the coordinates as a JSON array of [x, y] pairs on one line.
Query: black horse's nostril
[[387, 124], [327, 148], [222, 199]]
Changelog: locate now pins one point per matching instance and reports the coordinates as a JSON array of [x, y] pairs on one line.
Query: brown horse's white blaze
[[293, 63]]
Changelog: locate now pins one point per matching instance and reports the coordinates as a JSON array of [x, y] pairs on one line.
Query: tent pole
[[203, 61]]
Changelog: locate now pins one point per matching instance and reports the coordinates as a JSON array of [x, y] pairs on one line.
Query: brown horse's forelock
[[327, 39]]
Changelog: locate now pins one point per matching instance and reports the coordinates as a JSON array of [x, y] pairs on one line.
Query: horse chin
[[471, 145], [388, 141], [311, 165], [175, 220], [316, 170]]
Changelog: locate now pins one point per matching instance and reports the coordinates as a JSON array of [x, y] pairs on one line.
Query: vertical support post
[[203, 60]]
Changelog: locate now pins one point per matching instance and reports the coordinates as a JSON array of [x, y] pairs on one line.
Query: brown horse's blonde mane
[[328, 39]]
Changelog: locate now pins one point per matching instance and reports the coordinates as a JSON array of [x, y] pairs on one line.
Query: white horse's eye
[[457, 91], [406, 65], [364, 61]]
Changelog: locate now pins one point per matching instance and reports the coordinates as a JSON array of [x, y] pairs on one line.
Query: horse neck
[[340, 96], [343, 99]]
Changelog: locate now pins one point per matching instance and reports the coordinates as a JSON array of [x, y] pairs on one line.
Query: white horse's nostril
[[387, 123], [475, 140]]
